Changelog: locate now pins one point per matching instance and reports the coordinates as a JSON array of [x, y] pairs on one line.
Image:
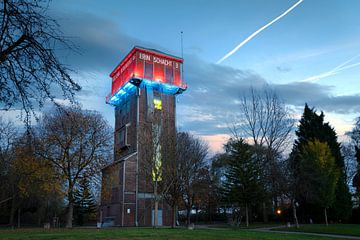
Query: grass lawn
[[146, 233], [342, 229], [243, 226]]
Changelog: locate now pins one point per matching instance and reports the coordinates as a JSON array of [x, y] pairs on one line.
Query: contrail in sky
[[258, 31], [343, 66]]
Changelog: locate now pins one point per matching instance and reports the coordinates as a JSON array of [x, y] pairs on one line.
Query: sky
[[311, 54]]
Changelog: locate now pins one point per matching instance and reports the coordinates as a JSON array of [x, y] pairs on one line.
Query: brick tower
[[144, 87]]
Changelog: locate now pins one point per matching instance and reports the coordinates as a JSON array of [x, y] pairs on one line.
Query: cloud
[[340, 104], [211, 102], [214, 90], [283, 69], [100, 41]]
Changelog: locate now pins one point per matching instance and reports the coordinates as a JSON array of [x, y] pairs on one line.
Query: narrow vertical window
[[148, 70]]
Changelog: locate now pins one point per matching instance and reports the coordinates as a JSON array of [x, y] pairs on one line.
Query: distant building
[[144, 88]]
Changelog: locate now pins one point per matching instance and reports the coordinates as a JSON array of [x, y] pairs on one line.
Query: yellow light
[[278, 211], [157, 104]]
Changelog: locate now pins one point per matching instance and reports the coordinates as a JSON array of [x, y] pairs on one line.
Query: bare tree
[[348, 151], [78, 143], [171, 179], [30, 72], [354, 171], [158, 144], [8, 137], [192, 153], [266, 120]]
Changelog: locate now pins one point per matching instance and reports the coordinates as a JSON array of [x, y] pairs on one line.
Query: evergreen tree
[[319, 174], [356, 179], [85, 204], [312, 126], [243, 175]]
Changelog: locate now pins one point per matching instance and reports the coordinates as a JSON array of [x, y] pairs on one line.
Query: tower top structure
[[144, 67]]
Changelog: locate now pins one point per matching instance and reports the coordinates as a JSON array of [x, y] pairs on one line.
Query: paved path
[[270, 229]]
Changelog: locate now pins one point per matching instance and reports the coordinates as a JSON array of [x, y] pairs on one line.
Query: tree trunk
[[326, 220], [265, 219], [196, 215], [156, 212], [188, 216], [12, 212], [174, 216], [209, 214], [156, 207], [69, 215], [247, 215], [294, 214], [18, 218]]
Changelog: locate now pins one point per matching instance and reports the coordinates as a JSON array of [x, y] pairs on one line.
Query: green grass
[[341, 229], [148, 234], [243, 226]]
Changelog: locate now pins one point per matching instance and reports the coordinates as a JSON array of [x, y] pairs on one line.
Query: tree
[[78, 144], [171, 177], [30, 72], [191, 152], [85, 205], [318, 174], [355, 136], [356, 179], [311, 127], [204, 191], [348, 151], [34, 181], [8, 137], [28, 182], [266, 120], [243, 183]]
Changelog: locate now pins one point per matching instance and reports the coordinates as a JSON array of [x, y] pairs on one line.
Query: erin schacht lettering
[[162, 61]]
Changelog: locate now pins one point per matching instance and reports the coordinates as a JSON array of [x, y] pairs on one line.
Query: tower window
[[157, 104], [148, 70], [169, 74]]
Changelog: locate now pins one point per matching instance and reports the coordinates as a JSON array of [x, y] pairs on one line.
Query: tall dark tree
[[243, 175], [191, 154], [85, 206], [30, 71], [356, 179], [311, 127]]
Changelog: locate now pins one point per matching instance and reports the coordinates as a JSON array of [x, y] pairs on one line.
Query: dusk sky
[[311, 54]]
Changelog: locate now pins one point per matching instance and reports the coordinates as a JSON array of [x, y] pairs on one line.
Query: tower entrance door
[[160, 223]]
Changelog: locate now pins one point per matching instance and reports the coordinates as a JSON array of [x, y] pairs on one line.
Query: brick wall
[[121, 202]]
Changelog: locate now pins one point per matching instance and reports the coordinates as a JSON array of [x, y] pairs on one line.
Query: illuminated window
[[169, 75], [157, 104], [148, 70]]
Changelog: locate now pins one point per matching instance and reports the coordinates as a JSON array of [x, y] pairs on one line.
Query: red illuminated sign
[[147, 64]]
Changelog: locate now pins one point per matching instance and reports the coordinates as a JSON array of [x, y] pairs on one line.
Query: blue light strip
[[129, 88]]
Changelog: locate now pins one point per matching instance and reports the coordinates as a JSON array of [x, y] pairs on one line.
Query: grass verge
[[148, 234], [340, 229]]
